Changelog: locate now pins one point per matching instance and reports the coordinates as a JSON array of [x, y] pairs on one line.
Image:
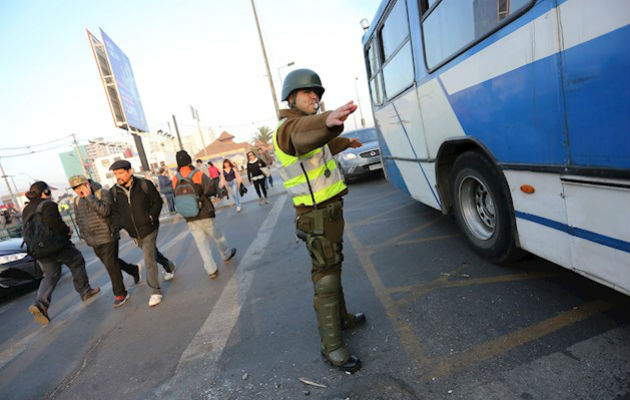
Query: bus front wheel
[[481, 207]]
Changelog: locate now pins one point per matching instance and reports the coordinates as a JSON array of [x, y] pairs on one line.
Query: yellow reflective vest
[[311, 178]]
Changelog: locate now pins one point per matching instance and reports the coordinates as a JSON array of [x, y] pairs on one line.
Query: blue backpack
[[187, 202]]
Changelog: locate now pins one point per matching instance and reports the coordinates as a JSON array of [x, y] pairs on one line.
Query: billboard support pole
[[179, 138], [140, 148]]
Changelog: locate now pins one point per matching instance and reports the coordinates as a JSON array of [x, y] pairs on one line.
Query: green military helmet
[[302, 79]]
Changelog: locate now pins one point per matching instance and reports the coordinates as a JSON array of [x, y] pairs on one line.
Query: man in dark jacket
[[40, 201], [92, 210], [166, 188], [202, 226], [136, 208]]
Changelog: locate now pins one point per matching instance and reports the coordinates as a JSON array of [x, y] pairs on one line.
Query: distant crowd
[[134, 204]]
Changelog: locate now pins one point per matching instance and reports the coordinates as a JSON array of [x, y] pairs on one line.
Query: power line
[[35, 145], [35, 151]]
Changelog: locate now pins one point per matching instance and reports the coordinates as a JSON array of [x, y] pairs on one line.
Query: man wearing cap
[[201, 225], [305, 143], [92, 209], [136, 206]]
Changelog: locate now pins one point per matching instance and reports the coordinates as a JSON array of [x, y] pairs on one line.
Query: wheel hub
[[477, 207]]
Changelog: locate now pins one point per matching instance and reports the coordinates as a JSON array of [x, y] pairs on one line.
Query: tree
[[264, 135]]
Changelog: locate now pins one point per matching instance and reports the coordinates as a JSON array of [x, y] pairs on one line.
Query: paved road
[[442, 323]]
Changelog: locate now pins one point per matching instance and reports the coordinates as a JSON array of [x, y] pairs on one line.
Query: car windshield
[[364, 136]]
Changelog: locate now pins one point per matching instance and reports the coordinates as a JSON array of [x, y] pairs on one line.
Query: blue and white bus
[[514, 115]]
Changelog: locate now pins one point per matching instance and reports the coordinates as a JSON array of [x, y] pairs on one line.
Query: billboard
[[126, 85]]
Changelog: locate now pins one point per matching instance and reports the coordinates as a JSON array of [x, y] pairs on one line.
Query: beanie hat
[[182, 158]]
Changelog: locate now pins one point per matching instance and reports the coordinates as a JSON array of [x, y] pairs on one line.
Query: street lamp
[[280, 71], [356, 89]]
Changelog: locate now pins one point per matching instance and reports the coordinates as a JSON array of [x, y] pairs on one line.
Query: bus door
[[595, 62], [397, 106]]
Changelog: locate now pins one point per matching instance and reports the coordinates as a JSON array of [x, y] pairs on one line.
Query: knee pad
[[328, 285]]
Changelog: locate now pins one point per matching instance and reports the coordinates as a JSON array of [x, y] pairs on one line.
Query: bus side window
[[395, 54], [376, 87], [455, 24]]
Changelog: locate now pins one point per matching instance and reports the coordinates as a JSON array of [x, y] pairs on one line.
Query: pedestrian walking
[[268, 159], [255, 174], [93, 211], [304, 143], [197, 209], [213, 172], [166, 188], [200, 166], [231, 180], [47, 239], [136, 206]]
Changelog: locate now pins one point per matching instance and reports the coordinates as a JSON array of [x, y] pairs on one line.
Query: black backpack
[[40, 240]]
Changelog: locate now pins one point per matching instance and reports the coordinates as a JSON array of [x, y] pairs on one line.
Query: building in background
[[225, 147], [72, 163]]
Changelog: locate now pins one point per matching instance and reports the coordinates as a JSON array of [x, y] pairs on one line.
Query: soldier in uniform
[[305, 143]]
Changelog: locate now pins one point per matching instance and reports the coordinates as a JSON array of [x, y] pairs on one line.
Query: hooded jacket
[[137, 209], [301, 133], [93, 214]]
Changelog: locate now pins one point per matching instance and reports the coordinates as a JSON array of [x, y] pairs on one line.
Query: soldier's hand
[[355, 143], [338, 116]]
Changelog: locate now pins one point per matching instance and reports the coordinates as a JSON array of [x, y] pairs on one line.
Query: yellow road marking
[[443, 282], [375, 247], [487, 350], [388, 219], [414, 349]]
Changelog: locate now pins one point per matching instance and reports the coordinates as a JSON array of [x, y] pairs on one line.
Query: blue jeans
[[170, 200], [233, 186]]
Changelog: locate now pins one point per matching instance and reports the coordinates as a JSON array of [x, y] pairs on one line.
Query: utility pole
[[262, 45], [179, 138], [195, 115], [356, 89], [13, 198], [76, 146]]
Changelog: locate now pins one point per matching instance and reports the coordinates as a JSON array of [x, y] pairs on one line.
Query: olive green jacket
[[300, 134]]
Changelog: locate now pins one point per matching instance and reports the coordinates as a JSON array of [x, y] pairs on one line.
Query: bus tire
[[481, 207]]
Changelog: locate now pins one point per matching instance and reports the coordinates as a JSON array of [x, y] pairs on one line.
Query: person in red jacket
[[202, 226]]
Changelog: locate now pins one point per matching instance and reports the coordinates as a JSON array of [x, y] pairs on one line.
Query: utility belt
[[322, 231]]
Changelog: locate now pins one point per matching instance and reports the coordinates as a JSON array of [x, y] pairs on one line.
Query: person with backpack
[[47, 240], [136, 206], [192, 190], [92, 210]]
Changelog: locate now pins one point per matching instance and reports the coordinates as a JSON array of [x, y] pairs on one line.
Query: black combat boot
[[352, 320]]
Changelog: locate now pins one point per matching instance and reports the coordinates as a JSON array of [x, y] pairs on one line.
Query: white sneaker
[[238, 209], [155, 299], [266, 200], [170, 275]]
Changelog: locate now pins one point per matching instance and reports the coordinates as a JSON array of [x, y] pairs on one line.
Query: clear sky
[[204, 53]]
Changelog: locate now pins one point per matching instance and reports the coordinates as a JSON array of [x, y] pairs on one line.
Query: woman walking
[[48, 240], [231, 180], [255, 174]]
